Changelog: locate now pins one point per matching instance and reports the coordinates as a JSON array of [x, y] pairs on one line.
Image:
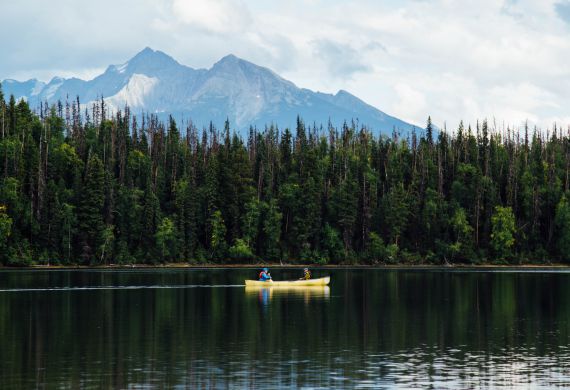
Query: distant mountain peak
[[231, 66], [246, 93], [231, 62], [148, 54], [229, 58], [56, 80], [147, 50], [147, 61]]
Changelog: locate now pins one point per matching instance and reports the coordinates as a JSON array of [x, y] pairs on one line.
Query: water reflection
[[306, 293], [200, 329]]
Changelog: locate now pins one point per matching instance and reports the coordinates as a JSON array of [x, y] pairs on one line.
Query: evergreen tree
[[502, 237], [166, 240], [429, 131], [563, 228], [218, 243], [272, 230], [114, 188], [5, 232], [90, 211]]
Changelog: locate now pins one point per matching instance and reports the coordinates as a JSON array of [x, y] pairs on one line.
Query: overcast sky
[[507, 60]]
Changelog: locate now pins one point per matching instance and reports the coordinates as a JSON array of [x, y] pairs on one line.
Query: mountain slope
[[245, 93]]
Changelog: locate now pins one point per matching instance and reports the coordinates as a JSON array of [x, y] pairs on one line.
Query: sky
[[502, 60]]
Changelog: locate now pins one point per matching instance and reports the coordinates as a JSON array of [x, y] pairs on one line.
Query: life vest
[[307, 275]]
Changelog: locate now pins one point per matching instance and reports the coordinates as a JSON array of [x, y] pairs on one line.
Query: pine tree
[[429, 131], [97, 189], [90, 211], [272, 230], [563, 228], [5, 232]]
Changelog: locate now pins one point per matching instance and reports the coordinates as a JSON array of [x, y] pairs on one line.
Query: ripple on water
[[208, 333]]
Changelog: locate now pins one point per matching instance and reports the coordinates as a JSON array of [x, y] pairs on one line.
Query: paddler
[[306, 274], [264, 275]]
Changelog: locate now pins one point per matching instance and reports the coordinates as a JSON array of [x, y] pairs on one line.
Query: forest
[[86, 186]]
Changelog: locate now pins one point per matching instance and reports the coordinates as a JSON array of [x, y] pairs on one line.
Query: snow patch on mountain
[[38, 88], [121, 68], [135, 93], [52, 87]]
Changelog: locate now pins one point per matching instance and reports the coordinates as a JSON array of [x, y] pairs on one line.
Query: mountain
[[233, 88]]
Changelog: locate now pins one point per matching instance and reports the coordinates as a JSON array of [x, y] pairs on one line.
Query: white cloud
[[341, 60], [410, 100], [452, 60], [217, 16], [563, 10]]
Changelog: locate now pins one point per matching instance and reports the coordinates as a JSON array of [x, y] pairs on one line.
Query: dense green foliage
[[92, 189]]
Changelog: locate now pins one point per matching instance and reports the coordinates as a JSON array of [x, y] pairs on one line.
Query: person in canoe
[[306, 274], [264, 275]]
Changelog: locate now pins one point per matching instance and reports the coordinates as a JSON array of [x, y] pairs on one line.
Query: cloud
[[563, 10], [374, 45], [217, 16], [341, 60], [510, 7], [410, 100], [274, 50], [71, 36], [452, 60]]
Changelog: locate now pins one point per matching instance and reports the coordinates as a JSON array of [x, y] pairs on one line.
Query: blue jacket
[[263, 276]]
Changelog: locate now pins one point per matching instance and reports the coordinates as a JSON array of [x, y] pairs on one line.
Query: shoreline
[[291, 266]]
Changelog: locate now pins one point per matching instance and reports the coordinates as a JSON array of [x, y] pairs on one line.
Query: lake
[[201, 328]]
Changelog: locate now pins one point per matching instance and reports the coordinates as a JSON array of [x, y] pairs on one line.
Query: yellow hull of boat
[[289, 283]]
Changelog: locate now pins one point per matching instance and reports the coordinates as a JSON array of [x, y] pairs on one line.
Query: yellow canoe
[[302, 282]]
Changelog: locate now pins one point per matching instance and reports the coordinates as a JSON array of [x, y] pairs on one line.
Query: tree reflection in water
[[200, 329]]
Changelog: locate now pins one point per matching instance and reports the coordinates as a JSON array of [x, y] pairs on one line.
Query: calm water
[[203, 329]]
